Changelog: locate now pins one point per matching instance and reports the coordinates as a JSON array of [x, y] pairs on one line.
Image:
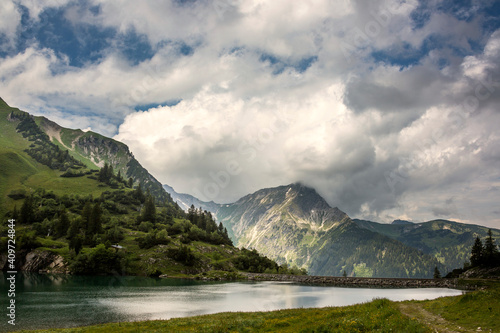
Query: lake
[[49, 301]]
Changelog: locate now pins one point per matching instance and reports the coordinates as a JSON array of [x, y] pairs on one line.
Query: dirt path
[[435, 322]]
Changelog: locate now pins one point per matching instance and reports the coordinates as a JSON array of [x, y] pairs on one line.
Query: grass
[[380, 315], [19, 171], [472, 310]]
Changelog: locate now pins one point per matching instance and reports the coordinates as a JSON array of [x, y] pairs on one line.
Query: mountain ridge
[[293, 224], [92, 150]]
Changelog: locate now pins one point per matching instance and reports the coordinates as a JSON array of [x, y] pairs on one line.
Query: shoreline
[[360, 281]]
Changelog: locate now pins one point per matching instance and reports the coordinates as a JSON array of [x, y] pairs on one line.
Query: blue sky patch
[[280, 65], [145, 107], [134, 47], [82, 43]]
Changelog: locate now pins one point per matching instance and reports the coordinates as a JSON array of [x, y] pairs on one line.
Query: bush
[[98, 260], [182, 254], [145, 226], [152, 239], [17, 194]]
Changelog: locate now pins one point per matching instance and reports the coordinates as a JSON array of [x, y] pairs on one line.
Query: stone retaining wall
[[356, 281]]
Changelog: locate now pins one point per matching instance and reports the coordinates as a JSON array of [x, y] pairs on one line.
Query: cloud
[[9, 21], [388, 109]]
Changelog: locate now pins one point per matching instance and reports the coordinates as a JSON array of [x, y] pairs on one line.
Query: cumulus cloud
[[388, 109]]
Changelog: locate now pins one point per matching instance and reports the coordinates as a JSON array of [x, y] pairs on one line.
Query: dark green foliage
[[95, 223], [206, 227], [106, 174], [437, 273], [491, 255], [149, 210], [182, 254], [62, 224], [153, 238], [252, 261], [26, 240], [17, 194], [76, 244], [42, 149], [114, 234], [27, 214], [98, 260], [477, 253], [139, 194]]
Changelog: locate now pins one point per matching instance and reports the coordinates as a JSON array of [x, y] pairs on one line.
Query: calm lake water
[[48, 301]]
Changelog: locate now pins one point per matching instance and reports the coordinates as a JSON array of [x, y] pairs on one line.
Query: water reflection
[[47, 301]]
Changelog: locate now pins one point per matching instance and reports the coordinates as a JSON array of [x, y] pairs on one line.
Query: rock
[[44, 262]]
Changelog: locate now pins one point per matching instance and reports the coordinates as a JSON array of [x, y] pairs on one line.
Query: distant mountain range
[[293, 224], [186, 200]]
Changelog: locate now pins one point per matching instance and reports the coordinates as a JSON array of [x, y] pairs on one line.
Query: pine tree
[[74, 230], [437, 273], [63, 223], [86, 212], [76, 244], [110, 173], [103, 173], [95, 223], [477, 256], [139, 194], [149, 211], [27, 214], [191, 214], [490, 250]]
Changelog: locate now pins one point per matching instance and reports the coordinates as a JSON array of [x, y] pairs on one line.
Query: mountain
[[449, 242], [401, 222], [86, 151], [186, 200], [293, 224]]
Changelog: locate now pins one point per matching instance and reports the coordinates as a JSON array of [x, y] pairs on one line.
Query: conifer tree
[[477, 257], [95, 223], [103, 173], [139, 194], [86, 212], [63, 223], [490, 250], [27, 214], [437, 273], [149, 211], [74, 229]]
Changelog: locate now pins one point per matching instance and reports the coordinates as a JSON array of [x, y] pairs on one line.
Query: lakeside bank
[[361, 281]]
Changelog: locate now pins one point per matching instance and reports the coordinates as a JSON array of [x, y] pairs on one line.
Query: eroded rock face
[[38, 261]]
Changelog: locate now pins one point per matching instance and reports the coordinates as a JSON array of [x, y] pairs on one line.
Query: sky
[[389, 109]]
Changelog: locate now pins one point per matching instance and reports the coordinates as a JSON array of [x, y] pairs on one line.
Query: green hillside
[[449, 242]]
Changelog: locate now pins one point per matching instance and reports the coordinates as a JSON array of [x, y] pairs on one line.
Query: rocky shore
[[356, 281]]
